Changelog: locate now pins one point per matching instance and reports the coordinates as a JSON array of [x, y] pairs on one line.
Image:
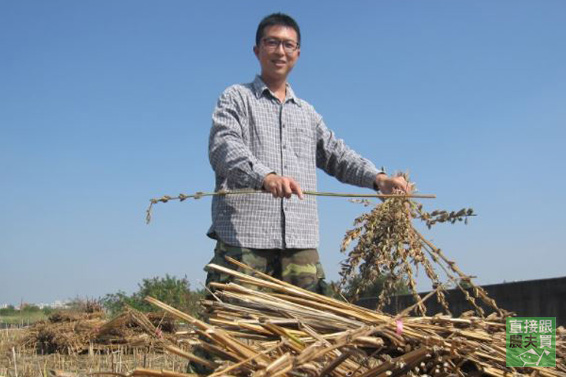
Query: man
[[264, 137]]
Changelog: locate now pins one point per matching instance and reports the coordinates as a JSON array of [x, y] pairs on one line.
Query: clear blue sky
[[106, 104]]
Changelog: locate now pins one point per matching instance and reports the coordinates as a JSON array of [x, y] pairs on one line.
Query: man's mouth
[[279, 63]]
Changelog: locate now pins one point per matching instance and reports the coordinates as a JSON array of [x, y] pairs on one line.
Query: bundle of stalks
[[387, 244], [131, 328], [259, 326]]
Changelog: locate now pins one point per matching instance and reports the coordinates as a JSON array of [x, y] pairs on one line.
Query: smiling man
[[264, 137]]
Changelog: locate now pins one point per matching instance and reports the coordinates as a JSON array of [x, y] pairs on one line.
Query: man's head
[[279, 19], [277, 46]]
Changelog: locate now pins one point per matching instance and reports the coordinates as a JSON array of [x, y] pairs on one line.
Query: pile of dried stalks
[[64, 332], [131, 328], [261, 327], [277, 329], [76, 333]]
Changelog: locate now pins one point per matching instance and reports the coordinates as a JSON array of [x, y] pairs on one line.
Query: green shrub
[[169, 289]]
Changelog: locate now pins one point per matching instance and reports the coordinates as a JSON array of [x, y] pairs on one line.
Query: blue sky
[[105, 104]]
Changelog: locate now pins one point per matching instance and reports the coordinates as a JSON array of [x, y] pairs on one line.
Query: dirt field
[[23, 361]]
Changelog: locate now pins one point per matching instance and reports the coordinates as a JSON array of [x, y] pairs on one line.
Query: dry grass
[[24, 361]]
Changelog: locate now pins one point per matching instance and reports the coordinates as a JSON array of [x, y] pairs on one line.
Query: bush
[[169, 289], [47, 311], [84, 305], [30, 308]]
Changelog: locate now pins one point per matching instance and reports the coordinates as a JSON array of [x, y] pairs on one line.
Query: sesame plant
[[385, 242]]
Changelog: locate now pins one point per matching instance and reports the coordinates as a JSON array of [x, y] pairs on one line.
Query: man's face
[[276, 63]]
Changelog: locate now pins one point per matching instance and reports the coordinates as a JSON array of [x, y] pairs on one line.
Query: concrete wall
[[533, 298]]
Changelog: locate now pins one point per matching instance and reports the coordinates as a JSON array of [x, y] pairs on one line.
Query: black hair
[[276, 19]]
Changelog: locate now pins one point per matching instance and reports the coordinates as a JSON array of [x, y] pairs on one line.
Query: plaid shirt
[[254, 134]]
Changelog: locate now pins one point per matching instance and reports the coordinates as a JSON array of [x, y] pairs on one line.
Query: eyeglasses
[[272, 44]]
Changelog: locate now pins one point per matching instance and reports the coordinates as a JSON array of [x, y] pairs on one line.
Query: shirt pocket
[[303, 140]]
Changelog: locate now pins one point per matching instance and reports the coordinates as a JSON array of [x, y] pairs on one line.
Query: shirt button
[[283, 125], [284, 147]]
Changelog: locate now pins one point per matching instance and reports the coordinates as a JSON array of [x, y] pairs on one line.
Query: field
[[24, 361], [22, 319]]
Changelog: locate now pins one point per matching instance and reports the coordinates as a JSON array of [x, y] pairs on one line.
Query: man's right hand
[[282, 187], [392, 185]]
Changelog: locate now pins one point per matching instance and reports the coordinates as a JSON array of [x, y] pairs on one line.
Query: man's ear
[[256, 51]]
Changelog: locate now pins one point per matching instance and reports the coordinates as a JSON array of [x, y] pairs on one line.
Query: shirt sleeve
[[338, 160], [228, 153]]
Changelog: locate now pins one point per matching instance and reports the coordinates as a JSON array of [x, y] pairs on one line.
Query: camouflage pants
[[300, 267]]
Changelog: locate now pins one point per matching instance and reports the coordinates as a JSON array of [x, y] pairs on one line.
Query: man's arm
[[229, 156]]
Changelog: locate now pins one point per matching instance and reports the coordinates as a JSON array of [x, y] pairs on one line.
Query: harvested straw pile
[[265, 327], [76, 333], [282, 330], [66, 333]]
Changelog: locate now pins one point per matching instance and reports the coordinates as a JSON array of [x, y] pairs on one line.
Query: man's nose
[[280, 49]]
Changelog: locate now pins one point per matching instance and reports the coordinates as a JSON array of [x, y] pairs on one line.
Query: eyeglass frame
[[280, 42]]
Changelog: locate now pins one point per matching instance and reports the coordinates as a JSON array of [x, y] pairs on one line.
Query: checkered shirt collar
[[260, 88]]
